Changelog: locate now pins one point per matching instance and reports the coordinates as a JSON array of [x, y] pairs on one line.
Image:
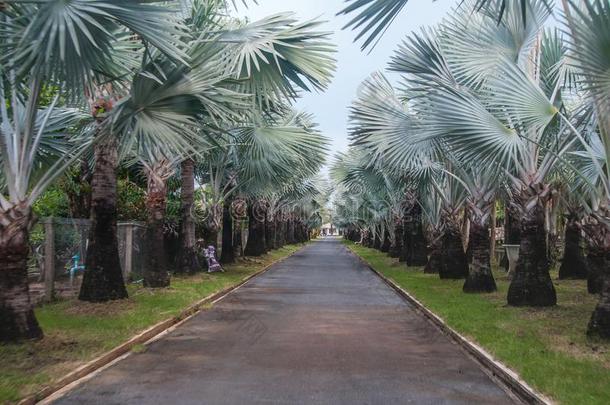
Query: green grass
[[77, 332], [547, 347]]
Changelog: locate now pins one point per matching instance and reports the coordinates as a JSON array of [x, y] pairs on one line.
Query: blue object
[[75, 267]]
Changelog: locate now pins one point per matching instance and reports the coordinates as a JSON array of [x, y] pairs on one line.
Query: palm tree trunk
[[272, 240], [480, 278], [405, 251], [414, 242], [511, 231], [302, 231], [103, 278], [156, 274], [596, 258], [377, 239], [237, 242], [531, 284], [574, 262], [398, 237], [369, 239], [269, 233], [17, 319], [599, 235], [187, 261], [435, 261], [419, 254], [298, 237], [596, 264], [284, 234], [277, 238], [387, 243], [600, 320], [255, 246], [454, 263], [290, 239], [228, 251]]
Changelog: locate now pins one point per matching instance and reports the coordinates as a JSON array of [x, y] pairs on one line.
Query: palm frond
[[277, 55], [72, 40]]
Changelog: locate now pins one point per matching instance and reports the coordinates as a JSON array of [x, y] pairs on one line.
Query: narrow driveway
[[318, 328]]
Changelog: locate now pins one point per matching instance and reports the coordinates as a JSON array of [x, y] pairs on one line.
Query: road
[[318, 328]]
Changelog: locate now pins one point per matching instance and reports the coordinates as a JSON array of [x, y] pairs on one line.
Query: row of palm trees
[[494, 105], [168, 87]]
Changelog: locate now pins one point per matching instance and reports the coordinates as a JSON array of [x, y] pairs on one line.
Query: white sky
[[331, 107]]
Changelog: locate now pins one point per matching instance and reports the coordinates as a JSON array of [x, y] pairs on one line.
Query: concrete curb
[[153, 333], [508, 379]]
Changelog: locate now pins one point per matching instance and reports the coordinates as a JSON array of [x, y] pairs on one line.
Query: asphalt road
[[318, 328]]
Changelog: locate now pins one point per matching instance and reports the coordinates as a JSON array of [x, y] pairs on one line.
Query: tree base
[[17, 319], [188, 261], [453, 269], [156, 280], [454, 263], [420, 259], [434, 263], [573, 271], [229, 258], [596, 264], [419, 252], [574, 263], [532, 291], [480, 283], [532, 285], [18, 327], [600, 321], [385, 248]]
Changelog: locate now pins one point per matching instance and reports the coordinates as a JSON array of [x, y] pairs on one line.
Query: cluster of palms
[[168, 87], [495, 108]]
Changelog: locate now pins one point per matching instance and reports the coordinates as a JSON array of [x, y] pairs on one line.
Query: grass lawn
[[77, 332], [547, 347]]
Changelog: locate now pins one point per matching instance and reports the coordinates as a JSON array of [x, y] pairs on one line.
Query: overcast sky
[[331, 107]]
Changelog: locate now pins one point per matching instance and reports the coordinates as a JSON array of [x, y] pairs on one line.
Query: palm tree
[[159, 113], [482, 188], [158, 168], [36, 148], [187, 260]]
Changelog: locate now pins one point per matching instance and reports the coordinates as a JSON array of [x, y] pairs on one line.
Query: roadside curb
[[508, 378], [153, 333]]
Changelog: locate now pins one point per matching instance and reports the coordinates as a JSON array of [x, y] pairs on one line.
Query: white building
[[329, 230]]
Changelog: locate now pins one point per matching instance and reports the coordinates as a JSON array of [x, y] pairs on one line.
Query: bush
[[131, 202], [53, 203]]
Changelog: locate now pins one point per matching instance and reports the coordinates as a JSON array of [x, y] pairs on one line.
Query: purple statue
[[213, 265]]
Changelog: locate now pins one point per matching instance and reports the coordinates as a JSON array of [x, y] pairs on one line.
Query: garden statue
[[213, 265]]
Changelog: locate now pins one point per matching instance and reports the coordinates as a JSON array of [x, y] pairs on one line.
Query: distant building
[[329, 230]]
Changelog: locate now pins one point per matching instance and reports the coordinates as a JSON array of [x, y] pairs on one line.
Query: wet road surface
[[319, 328]]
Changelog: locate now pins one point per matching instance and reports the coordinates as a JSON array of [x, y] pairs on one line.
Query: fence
[[58, 254]]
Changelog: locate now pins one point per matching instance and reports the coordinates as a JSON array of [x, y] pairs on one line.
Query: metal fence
[[58, 254]]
